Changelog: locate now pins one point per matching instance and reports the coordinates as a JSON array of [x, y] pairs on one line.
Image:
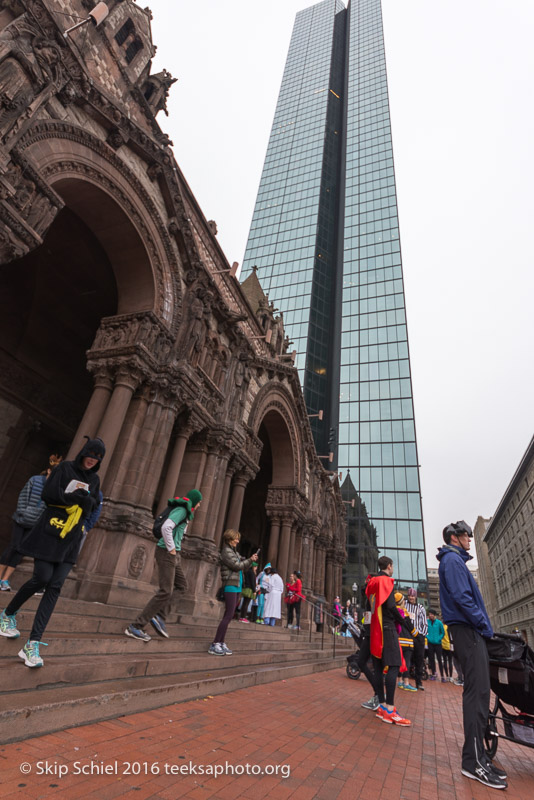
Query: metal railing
[[325, 615]]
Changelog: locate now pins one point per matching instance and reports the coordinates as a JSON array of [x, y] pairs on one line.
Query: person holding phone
[[70, 495], [232, 568]]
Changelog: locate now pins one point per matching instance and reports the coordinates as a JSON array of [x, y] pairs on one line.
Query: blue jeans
[[270, 621]]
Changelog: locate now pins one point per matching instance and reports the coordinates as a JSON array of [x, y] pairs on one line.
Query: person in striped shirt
[[417, 614]]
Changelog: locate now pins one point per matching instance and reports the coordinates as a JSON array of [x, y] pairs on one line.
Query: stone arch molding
[[61, 152], [274, 406]]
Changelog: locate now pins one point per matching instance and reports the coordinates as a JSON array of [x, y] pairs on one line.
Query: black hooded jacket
[[44, 540]]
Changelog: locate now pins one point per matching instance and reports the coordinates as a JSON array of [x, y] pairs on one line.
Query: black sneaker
[[500, 773], [420, 687], [159, 626], [487, 777]]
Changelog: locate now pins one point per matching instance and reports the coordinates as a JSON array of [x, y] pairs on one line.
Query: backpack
[[158, 522]]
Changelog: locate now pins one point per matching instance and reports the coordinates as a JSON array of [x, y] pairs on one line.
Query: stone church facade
[[122, 318]]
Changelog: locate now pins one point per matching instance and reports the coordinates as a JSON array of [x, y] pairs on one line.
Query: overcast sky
[[460, 81]]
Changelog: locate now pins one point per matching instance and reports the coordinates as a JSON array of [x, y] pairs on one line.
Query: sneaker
[[5, 586], [244, 619], [500, 773], [30, 654], [385, 715], [371, 704], [159, 626], [458, 682], [420, 687], [395, 717], [216, 649], [409, 688], [227, 651], [8, 626], [137, 633], [433, 678], [444, 680], [485, 776], [401, 685]]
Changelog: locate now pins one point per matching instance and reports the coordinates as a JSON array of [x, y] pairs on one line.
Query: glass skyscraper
[[325, 239]]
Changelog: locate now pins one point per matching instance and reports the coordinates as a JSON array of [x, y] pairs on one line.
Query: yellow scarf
[[74, 514]]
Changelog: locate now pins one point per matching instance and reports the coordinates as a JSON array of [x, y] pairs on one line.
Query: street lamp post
[[355, 600]]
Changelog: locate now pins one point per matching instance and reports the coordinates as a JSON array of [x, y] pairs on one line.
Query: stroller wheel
[[353, 672], [491, 737]]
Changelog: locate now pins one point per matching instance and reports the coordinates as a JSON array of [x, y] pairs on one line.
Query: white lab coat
[[273, 599]]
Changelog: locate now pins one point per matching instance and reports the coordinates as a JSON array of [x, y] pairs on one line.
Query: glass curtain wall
[[293, 231], [325, 239], [377, 445]]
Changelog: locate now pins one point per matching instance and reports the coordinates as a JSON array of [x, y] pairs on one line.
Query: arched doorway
[[92, 264], [275, 481], [255, 525]]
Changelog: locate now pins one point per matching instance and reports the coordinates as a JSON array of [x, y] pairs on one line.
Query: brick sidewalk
[[335, 749]]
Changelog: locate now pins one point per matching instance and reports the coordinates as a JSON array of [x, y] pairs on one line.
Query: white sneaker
[[227, 651], [30, 654], [8, 626], [216, 649]]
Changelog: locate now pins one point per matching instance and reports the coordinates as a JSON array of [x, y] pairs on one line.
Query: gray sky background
[[460, 81]]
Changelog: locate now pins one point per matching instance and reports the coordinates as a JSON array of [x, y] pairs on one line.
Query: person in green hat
[[168, 560]]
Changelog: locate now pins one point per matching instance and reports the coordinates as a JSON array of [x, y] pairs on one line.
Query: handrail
[[326, 613]]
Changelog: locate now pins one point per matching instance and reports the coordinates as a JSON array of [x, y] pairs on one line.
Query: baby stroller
[[353, 670], [512, 682]]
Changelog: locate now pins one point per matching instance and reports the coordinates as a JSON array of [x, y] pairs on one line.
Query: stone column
[[320, 569], [193, 464], [329, 590], [156, 457], [274, 538], [211, 486], [223, 505], [175, 464], [94, 412], [291, 556], [283, 550], [236, 500], [305, 562], [126, 445], [111, 424]]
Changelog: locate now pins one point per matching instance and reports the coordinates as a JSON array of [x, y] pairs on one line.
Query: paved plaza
[[310, 727]]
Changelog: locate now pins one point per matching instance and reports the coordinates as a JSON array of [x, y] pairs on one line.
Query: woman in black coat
[[70, 494]]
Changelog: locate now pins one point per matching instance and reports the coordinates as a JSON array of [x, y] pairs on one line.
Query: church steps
[[94, 672], [28, 714], [89, 668]]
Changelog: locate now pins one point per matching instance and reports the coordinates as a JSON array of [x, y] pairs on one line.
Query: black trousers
[[447, 662], [419, 658], [471, 651], [293, 607], [387, 696], [11, 556], [407, 652], [49, 577], [363, 661], [434, 651]]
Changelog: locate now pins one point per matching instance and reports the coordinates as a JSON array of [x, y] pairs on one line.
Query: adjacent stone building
[[120, 317], [486, 580], [510, 542], [433, 590]]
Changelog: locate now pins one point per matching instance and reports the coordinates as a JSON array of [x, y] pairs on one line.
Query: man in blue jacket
[[464, 612]]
